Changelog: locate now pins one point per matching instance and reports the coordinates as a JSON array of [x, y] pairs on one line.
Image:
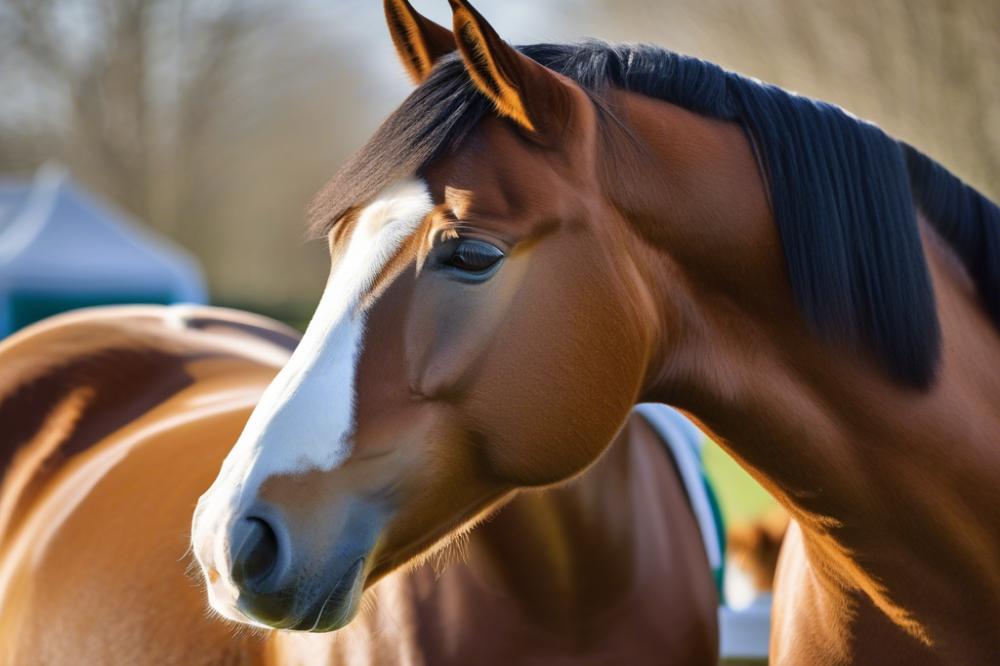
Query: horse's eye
[[473, 256]]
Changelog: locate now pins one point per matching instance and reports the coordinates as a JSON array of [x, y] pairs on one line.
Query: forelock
[[433, 119]]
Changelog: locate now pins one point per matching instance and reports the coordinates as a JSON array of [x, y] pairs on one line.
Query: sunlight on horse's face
[[474, 338]]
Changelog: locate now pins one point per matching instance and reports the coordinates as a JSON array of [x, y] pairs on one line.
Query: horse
[[116, 419], [752, 549], [541, 237]]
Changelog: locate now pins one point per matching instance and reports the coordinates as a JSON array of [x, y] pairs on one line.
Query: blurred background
[[212, 122]]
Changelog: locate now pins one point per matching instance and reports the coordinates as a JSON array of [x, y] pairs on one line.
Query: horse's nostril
[[255, 552]]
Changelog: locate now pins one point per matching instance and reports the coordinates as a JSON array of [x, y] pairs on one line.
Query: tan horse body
[[120, 419]]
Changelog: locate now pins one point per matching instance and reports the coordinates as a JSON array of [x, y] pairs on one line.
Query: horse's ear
[[419, 41], [521, 89]]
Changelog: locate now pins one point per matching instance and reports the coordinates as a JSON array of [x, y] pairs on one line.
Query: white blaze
[[305, 418]]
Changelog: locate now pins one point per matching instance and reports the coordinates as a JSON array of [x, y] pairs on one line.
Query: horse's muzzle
[[299, 581]]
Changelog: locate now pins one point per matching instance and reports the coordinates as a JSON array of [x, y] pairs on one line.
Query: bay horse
[[541, 237], [116, 419]]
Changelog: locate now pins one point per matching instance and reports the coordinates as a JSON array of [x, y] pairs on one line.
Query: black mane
[[843, 192]]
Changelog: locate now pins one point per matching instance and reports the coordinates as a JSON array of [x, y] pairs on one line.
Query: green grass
[[740, 497]]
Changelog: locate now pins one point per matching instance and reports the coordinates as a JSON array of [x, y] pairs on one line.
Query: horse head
[[481, 331]]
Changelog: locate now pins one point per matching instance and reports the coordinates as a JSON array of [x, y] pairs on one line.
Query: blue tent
[[60, 249]]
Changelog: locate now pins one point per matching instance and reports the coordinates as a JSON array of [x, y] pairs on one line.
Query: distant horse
[[540, 238], [115, 420], [753, 548]]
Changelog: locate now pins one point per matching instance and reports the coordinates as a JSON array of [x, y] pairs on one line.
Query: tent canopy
[[60, 248]]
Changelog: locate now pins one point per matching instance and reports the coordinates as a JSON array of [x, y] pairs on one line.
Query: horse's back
[[115, 421]]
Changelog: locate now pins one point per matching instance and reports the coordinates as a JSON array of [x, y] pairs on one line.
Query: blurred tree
[[97, 58], [206, 120], [924, 70]]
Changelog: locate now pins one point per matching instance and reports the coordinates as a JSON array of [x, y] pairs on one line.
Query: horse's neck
[[875, 473], [557, 558], [568, 551], [837, 441]]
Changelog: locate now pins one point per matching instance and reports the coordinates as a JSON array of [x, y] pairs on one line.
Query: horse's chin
[[332, 609], [339, 606]]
